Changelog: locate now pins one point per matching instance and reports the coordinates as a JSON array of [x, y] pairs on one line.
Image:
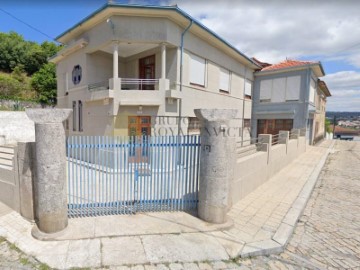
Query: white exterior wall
[[97, 66]]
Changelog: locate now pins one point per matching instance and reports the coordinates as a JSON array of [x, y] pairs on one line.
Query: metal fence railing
[[275, 139], [139, 84], [124, 175], [99, 86]]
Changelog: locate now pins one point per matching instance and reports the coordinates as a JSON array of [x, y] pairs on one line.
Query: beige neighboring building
[[131, 70], [319, 117]]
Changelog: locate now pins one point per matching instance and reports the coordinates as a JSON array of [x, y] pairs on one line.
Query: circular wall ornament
[[76, 74]]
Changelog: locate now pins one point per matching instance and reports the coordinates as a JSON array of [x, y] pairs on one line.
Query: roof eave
[[61, 37], [294, 68]]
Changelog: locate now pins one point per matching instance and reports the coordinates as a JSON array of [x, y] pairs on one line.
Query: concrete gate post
[[217, 161], [50, 200]]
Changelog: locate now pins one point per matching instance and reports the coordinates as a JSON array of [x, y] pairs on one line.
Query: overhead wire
[[28, 25]]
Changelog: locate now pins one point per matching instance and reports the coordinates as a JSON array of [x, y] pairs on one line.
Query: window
[[74, 115], [197, 70], [293, 88], [265, 90], [312, 92], [247, 124], [278, 91], [248, 87], [224, 83], [194, 125], [80, 107]]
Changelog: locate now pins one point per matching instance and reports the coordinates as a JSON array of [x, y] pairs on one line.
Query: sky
[[271, 30]]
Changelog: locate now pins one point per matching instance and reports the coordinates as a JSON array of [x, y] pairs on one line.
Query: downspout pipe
[[181, 70]]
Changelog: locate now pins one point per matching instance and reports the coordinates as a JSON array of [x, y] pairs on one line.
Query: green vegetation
[[328, 126], [25, 73]]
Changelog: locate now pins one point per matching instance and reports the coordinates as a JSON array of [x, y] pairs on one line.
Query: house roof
[[290, 64], [324, 88], [172, 12]]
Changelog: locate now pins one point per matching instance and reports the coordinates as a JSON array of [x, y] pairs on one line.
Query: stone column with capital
[[217, 160], [50, 189]]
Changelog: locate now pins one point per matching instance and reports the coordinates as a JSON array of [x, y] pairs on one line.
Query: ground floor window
[[273, 126]]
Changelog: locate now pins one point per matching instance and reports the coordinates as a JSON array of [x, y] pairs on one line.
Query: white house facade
[[142, 70]]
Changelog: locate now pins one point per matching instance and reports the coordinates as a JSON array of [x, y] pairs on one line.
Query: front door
[[147, 72], [139, 132]]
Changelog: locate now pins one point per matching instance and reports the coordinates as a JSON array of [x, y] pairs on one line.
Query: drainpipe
[[181, 71], [243, 112], [306, 102]]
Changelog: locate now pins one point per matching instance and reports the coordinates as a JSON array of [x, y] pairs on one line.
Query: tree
[[13, 49], [44, 83]]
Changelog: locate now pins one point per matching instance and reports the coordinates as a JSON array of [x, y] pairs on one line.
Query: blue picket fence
[[125, 175]]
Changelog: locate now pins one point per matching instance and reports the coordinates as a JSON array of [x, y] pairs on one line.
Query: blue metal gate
[[125, 175]]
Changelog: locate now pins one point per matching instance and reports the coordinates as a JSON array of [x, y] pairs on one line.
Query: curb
[[279, 241]]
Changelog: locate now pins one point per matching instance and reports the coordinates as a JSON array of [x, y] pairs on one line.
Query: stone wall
[[16, 127]]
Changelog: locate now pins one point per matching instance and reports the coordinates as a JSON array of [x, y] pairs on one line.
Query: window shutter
[[278, 90], [265, 89], [224, 79], [197, 70], [293, 88], [248, 86]]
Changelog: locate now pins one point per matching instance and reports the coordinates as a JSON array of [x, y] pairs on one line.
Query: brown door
[[139, 132], [273, 126], [147, 71]]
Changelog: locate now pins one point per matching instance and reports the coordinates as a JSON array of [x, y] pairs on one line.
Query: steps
[[7, 153]]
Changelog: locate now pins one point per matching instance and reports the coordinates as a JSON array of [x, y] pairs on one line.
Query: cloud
[[345, 89], [274, 30]]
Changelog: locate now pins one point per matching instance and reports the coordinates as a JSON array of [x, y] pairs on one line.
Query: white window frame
[[224, 80], [247, 89], [197, 77]]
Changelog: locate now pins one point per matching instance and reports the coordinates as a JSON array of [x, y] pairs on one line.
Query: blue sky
[[326, 31]]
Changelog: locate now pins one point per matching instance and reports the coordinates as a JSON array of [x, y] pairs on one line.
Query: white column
[[116, 61], [163, 61]]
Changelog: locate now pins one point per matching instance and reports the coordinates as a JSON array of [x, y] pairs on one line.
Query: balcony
[[130, 91]]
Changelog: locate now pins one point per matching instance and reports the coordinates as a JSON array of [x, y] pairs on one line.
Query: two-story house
[[142, 70], [289, 95]]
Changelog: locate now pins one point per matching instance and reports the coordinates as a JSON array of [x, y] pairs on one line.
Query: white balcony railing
[[139, 84], [127, 84]]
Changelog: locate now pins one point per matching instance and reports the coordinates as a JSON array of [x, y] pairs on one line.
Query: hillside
[[25, 73]]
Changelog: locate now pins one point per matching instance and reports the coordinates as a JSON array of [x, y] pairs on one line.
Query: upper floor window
[[197, 70], [312, 92], [280, 89], [248, 88], [224, 82]]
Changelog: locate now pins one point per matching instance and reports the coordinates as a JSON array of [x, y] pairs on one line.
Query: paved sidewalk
[[260, 224]]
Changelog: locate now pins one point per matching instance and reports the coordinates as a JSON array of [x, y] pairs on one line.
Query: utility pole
[[334, 121]]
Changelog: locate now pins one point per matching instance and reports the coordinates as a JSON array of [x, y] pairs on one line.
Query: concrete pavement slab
[[188, 247], [123, 250]]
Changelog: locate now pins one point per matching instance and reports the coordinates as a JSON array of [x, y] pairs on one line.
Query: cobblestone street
[[326, 237]]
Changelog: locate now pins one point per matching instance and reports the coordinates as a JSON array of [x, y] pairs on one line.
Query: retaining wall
[[254, 170]]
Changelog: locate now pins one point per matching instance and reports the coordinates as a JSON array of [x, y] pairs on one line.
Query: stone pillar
[[217, 161], [50, 184], [283, 137], [266, 144], [163, 61]]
